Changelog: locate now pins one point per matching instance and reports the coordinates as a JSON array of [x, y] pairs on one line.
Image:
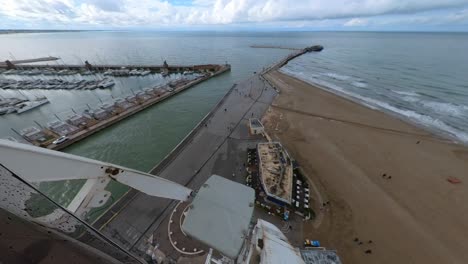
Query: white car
[[60, 140]]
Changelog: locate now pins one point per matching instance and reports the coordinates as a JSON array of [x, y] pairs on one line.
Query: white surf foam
[[410, 99], [359, 84], [425, 120], [337, 76], [447, 108], [408, 93]]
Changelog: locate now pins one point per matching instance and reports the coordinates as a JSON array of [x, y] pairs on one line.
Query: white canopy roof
[[221, 215]]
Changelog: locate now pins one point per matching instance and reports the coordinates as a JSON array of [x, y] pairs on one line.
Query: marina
[[56, 84], [80, 125], [84, 77]]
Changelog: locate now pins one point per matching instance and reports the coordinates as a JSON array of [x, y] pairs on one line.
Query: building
[[61, 128], [275, 172], [255, 126], [33, 134], [78, 120]]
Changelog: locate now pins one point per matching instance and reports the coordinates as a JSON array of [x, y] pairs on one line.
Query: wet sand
[[417, 216]]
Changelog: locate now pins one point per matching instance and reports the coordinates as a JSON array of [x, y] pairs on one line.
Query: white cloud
[[157, 13], [356, 22]]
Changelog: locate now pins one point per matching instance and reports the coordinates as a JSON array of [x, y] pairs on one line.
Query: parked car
[[60, 140], [311, 243]]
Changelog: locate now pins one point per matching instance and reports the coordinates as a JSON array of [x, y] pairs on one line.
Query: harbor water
[[419, 76]]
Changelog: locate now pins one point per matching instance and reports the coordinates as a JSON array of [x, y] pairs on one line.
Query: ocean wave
[[408, 96], [410, 99], [446, 108], [409, 93], [359, 84], [422, 119], [337, 76]]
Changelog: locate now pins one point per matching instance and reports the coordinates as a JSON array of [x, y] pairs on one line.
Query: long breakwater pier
[[62, 133], [101, 68]]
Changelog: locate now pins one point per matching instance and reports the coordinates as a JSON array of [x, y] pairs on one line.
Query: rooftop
[[220, 215], [276, 171]]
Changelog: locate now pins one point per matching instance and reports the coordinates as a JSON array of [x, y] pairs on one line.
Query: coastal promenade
[[206, 152], [215, 146]]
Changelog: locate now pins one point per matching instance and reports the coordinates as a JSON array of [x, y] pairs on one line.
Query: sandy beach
[[386, 179]]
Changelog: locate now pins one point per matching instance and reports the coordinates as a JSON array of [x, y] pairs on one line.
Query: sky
[[287, 15]]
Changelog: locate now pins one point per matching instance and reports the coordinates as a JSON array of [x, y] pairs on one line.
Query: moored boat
[[26, 106]]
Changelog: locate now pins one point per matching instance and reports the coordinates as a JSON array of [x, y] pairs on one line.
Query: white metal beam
[[36, 164]]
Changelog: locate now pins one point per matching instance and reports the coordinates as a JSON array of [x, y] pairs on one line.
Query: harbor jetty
[[272, 47], [12, 67], [281, 63], [62, 133]]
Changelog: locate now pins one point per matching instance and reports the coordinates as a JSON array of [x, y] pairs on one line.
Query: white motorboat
[[134, 72], [26, 106], [106, 83], [144, 73]]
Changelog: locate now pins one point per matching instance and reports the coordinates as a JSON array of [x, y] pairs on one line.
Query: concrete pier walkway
[[206, 153]]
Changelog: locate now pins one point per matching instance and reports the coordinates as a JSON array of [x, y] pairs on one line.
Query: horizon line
[[231, 30]]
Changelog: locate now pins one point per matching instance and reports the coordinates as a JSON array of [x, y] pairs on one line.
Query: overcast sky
[[412, 15]]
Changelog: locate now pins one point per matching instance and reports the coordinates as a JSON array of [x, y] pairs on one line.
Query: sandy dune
[[417, 216]]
